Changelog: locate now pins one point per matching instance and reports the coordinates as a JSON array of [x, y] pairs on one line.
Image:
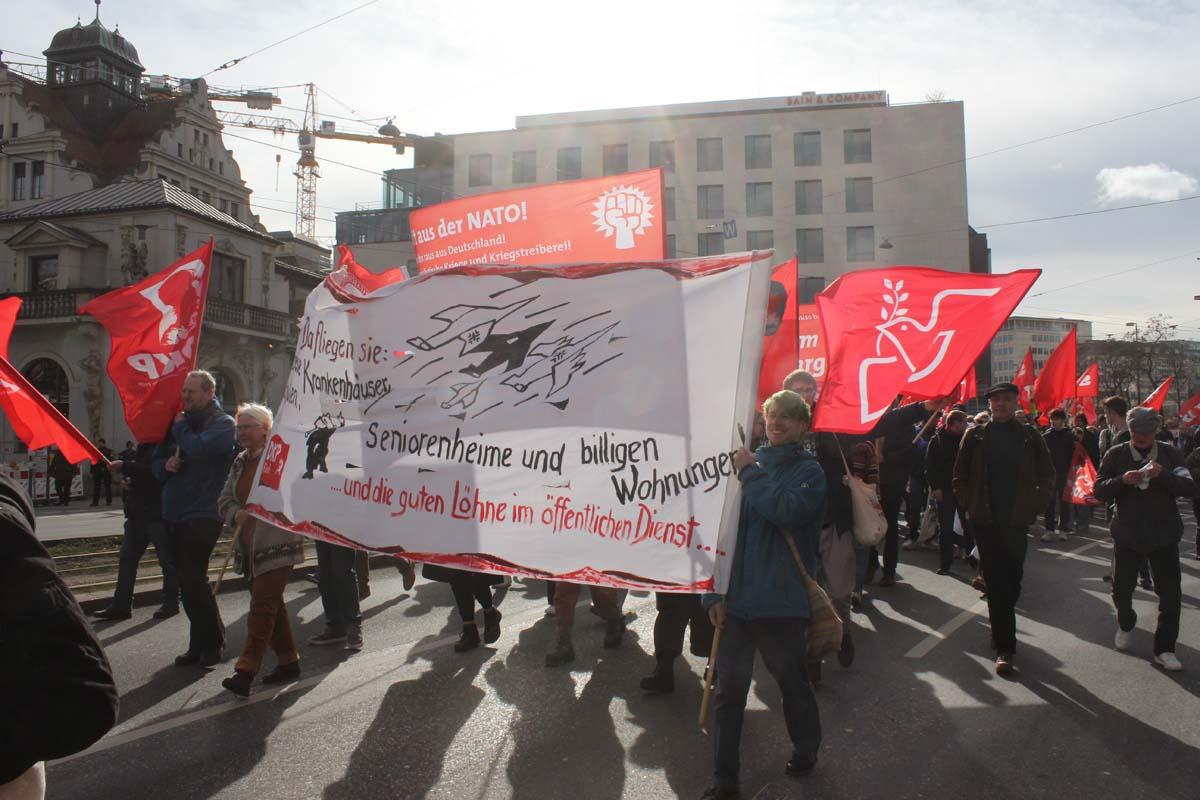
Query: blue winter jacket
[[206, 444], [784, 491]]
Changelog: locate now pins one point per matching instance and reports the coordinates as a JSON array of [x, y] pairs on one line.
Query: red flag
[[1057, 379], [352, 278], [781, 342], [1081, 480], [915, 330], [1189, 412], [35, 421], [154, 326], [1085, 406], [967, 389], [1159, 395], [1088, 384], [1024, 381]]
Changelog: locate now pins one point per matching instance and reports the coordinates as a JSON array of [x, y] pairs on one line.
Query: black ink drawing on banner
[[522, 356], [323, 429]]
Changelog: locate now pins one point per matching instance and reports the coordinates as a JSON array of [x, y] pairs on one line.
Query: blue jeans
[[139, 534], [338, 585], [782, 644]]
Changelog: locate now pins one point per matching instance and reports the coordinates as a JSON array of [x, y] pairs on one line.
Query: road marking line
[[941, 634]]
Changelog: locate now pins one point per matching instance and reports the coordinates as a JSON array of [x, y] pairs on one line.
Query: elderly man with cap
[[1003, 479], [1143, 478]]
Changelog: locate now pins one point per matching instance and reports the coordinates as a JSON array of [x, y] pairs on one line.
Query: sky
[[1024, 71]]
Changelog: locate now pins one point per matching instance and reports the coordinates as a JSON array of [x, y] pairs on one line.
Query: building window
[[206, 197], [758, 151], [479, 170], [760, 240], [616, 159], [670, 245], [810, 245], [37, 179], [224, 206], [860, 195], [196, 135], [18, 180], [808, 197], [662, 154], [525, 166], [211, 165], [669, 204], [204, 139], [14, 128], [858, 146], [179, 149], [710, 202], [860, 244], [807, 145], [234, 210], [570, 163], [810, 287], [759, 202], [228, 278], [43, 273], [709, 157], [220, 167], [710, 244], [191, 154]]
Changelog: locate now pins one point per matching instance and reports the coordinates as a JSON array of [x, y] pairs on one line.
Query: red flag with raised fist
[[1159, 395], [781, 336], [1056, 382], [910, 330], [154, 326], [1023, 380], [1189, 412], [1088, 384], [36, 422]]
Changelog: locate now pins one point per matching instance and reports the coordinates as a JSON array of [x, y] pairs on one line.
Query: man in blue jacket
[[765, 606], [192, 465]]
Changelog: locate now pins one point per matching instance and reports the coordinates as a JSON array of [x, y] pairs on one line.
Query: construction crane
[[307, 133]]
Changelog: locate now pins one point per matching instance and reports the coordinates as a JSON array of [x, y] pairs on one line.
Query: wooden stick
[[708, 676], [237, 534], [934, 417]]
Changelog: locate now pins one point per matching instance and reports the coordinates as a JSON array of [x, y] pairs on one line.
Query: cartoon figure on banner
[[901, 334], [623, 212], [317, 440]]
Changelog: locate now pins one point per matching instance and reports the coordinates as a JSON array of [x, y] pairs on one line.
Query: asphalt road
[[920, 714]]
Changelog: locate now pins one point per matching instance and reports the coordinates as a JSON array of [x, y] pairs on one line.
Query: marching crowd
[[975, 484]]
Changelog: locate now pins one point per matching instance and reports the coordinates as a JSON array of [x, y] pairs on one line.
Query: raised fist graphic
[[623, 213]]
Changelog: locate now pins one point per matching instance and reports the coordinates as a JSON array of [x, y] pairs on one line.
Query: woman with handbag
[[767, 606]]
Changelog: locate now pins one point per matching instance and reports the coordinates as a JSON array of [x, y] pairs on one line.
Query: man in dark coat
[[57, 694], [1143, 479], [1060, 441], [939, 469], [1002, 479]]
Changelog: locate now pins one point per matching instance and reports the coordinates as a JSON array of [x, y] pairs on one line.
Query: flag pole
[[237, 534], [709, 674]]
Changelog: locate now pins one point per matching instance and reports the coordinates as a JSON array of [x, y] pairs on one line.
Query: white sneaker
[[1169, 662], [1064, 536], [1048, 536], [1124, 640]]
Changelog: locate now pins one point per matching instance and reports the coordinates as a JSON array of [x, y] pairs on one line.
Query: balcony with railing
[[63, 304]]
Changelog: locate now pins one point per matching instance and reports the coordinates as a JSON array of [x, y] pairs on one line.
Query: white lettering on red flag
[[154, 328], [572, 423], [910, 330]]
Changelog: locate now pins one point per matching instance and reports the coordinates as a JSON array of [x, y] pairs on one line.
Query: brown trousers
[[267, 622], [566, 595]]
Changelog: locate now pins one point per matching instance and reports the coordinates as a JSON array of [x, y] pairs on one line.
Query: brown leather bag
[[824, 624]]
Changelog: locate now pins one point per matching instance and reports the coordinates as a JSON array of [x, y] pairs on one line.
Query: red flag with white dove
[[36, 422], [906, 330], [1159, 395], [356, 281], [154, 326], [1056, 382], [1189, 412]]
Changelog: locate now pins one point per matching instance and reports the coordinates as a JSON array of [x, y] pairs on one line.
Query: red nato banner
[[615, 218]]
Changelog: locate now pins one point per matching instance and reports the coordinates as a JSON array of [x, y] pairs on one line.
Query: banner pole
[[237, 534], [934, 417], [709, 672]]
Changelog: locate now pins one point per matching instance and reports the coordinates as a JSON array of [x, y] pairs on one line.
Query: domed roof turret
[[70, 43]]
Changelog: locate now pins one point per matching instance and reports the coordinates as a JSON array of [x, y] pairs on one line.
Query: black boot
[[239, 683], [469, 639], [845, 655], [562, 654], [491, 625], [614, 631], [663, 679]]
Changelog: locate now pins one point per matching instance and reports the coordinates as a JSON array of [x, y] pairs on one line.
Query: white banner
[[574, 423]]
